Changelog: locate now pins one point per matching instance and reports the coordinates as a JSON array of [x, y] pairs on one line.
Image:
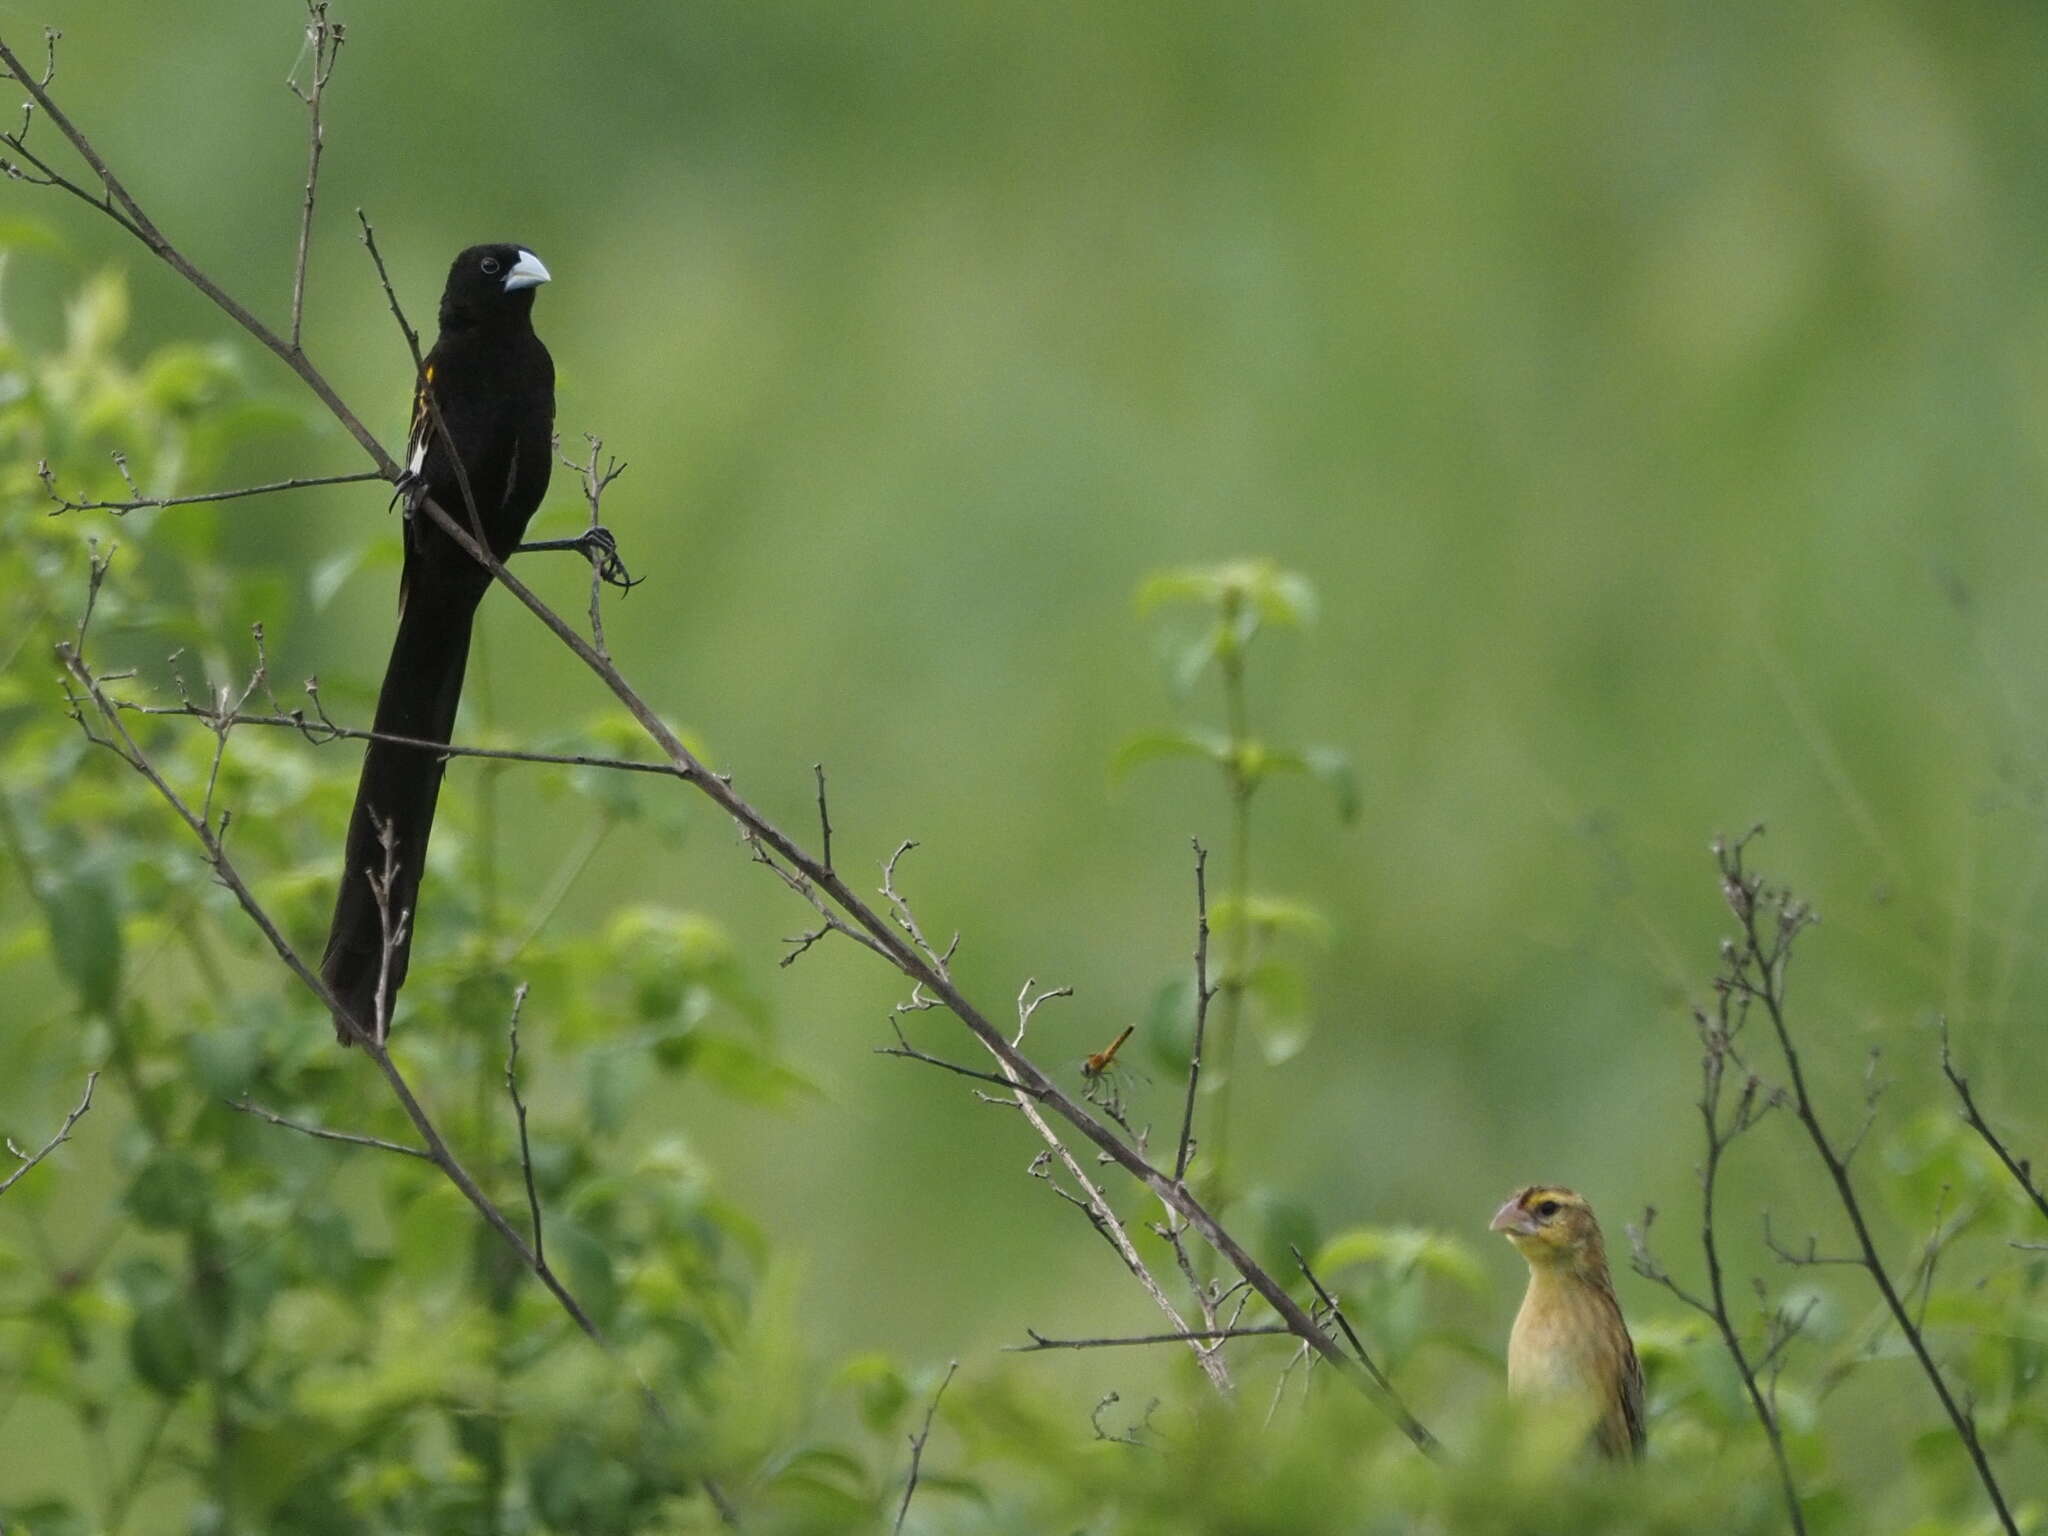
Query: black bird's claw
[[597, 545], [403, 489], [602, 550]]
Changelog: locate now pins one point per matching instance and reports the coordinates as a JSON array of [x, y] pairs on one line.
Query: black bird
[[487, 387]]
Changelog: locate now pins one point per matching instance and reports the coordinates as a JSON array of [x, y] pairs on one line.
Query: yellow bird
[[1569, 1339]]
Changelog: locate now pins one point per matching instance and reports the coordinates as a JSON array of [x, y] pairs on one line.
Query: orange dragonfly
[[1101, 1070]]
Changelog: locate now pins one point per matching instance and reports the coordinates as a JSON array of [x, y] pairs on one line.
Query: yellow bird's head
[[1551, 1225]]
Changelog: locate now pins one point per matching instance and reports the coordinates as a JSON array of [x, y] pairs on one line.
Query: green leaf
[[1259, 587], [608, 1081], [881, 1389], [1268, 916], [85, 933], [1169, 1030], [1156, 746], [1402, 1250], [225, 1058], [48, 1517], [163, 1346], [1283, 1222], [168, 1194], [589, 1267], [26, 235], [1279, 988], [145, 1282], [184, 376], [98, 315], [331, 574], [748, 1074]]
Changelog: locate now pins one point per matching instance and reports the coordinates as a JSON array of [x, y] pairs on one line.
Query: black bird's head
[[490, 284]]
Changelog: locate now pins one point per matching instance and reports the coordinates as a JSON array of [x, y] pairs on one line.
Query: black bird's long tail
[[399, 786]]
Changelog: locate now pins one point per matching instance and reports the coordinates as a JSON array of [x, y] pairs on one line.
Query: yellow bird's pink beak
[[1512, 1218]]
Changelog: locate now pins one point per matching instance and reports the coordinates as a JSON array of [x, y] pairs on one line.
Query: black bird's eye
[[1548, 1208], [490, 266]]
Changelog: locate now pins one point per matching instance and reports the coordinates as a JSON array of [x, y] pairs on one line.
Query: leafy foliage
[[251, 1329], [259, 1330]]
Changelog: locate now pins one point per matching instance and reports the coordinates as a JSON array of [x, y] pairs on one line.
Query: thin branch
[[1203, 993], [122, 508], [1390, 1399], [1195, 1335], [909, 1052], [917, 1442], [1757, 965], [323, 40], [824, 818], [2021, 1169], [250, 1107], [28, 1160], [519, 1109], [405, 329], [1132, 1436], [321, 730], [1719, 1031]]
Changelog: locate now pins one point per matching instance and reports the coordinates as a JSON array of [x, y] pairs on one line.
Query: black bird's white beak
[[527, 272]]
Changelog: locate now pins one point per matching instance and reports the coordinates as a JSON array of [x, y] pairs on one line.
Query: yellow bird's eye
[[1548, 1208]]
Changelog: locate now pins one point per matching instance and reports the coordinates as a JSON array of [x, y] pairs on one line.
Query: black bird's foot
[[404, 489], [597, 545]]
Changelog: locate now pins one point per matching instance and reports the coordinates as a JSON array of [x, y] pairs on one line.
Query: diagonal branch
[[118, 204], [2021, 1169], [28, 1160], [924, 968]]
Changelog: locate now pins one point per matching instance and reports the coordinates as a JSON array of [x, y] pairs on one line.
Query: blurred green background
[[1653, 393]]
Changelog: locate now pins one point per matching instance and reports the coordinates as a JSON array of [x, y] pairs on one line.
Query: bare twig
[[519, 1110], [121, 508], [824, 819], [1723, 1122], [2021, 1168], [1133, 1436], [323, 47], [250, 1107], [917, 1442], [28, 1160], [909, 1052], [1203, 993], [1769, 922], [320, 730], [405, 328], [1390, 1399], [1193, 1335]]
